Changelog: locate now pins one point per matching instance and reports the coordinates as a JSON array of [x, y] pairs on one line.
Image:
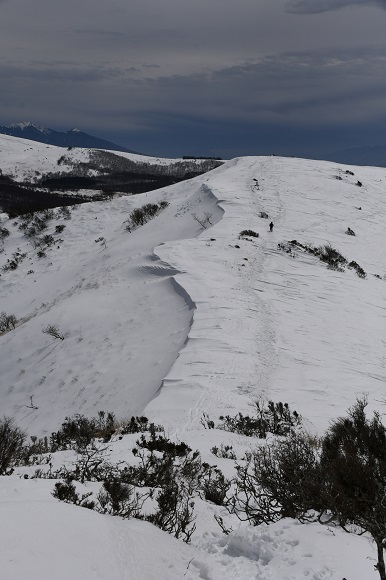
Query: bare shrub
[[65, 491], [175, 513], [167, 472], [120, 499], [13, 263], [215, 487], [344, 483], [278, 481], [3, 233], [7, 322], [11, 444], [53, 330], [332, 257], [139, 425], [78, 432], [354, 461], [224, 451], [249, 233], [275, 418], [141, 215], [359, 270]]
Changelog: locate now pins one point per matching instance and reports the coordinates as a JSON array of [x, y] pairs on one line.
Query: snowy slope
[[269, 322], [176, 321], [125, 315], [26, 160]]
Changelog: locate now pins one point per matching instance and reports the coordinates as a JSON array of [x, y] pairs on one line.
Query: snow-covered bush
[[141, 215], [277, 481], [341, 480], [169, 473], [275, 418], [249, 233], [78, 432]]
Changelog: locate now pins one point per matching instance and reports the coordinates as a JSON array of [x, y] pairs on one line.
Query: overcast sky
[[214, 77]]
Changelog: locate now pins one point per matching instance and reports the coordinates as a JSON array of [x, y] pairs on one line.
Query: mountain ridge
[[374, 156], [71, 138]]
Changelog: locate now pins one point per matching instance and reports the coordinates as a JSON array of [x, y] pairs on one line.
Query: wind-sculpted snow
[[283, 325], [123, 319]]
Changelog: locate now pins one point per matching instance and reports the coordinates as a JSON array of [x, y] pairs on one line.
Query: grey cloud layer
[[319, 6], [152, 64], [291, 88]]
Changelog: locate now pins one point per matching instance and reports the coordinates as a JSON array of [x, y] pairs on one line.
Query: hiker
[[271, 226]]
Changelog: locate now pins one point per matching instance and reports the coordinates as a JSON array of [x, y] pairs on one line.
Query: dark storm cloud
[[142, 67], [291, 87], [319, 6], [297, 88]]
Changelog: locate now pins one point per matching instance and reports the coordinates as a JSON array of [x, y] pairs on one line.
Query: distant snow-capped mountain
[[72, 138], [371, 156]]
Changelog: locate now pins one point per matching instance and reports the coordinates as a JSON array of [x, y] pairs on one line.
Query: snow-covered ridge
[[175, 321], [266, 319], [263, 315], [26, 160], [28, 125]]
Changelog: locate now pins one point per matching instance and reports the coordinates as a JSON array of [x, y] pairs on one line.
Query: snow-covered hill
[[29, 161], [175, 320], [72, 138]]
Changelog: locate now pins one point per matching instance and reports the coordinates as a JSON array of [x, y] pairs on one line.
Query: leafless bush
[[277, 481], [7, 321], [11, 444], [141, 215], [249, 233], [275, 418], [120, 499], [53, 330]]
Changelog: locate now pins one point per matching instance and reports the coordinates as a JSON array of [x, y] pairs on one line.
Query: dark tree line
[[16, 199]]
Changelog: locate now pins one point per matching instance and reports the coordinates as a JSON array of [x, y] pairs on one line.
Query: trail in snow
[[270, 324], [242, 321]]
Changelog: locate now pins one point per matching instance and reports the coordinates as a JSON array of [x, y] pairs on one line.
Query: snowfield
[[178, 322], [26, 160]]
